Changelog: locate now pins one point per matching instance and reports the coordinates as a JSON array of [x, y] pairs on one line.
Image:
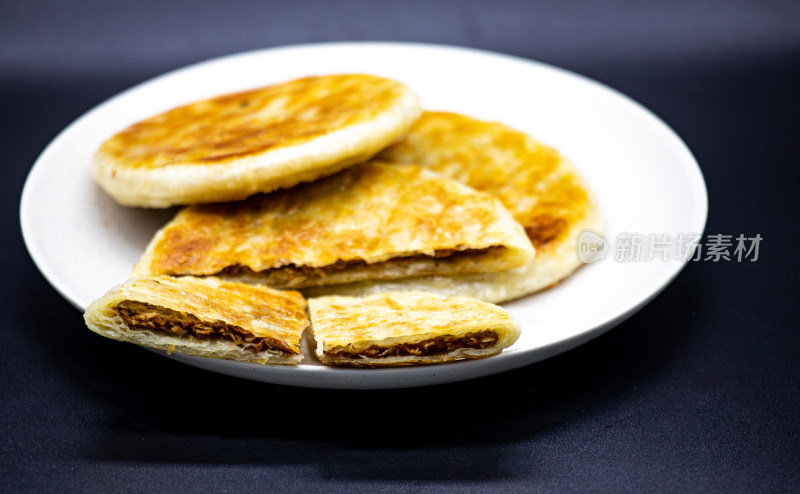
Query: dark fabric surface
[[698, 391]]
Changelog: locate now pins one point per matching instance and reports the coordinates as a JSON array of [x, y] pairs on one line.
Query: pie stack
[[335, 203]]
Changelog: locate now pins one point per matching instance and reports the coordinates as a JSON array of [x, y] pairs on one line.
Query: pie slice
[[372, 221], [203, 316], [540, 187], [235, 145], [407, 328]]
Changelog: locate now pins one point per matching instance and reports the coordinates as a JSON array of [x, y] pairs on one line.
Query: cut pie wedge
[[407, 328], [370, 222], [203, 316]]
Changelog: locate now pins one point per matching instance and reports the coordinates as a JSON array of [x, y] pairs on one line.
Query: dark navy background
[[700, 391]]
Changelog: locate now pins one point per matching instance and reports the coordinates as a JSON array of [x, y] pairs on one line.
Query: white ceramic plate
[[645, 178]]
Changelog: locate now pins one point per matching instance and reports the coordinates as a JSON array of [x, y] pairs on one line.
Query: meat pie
[[203, 316], [370, 222], [405, 328]]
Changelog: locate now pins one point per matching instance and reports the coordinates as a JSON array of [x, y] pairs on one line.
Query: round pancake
[[235, 145], [540, 188]]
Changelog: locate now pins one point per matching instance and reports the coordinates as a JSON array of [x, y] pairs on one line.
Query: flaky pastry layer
[[373, 221], [203, 316], [407, 328]]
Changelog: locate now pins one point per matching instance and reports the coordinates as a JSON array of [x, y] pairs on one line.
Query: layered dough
[[540, 187], [407, 328], [203, 316], [235, 145], [370, 222]]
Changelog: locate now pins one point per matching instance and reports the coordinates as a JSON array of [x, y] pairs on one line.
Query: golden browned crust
[[203, 316], [231, 126], [234, 145], [407, 328], [526, 175], [372, 221]]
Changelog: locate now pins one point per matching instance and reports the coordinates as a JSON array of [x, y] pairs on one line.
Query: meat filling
[[440, 345], [289, 272], [143, 316]]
